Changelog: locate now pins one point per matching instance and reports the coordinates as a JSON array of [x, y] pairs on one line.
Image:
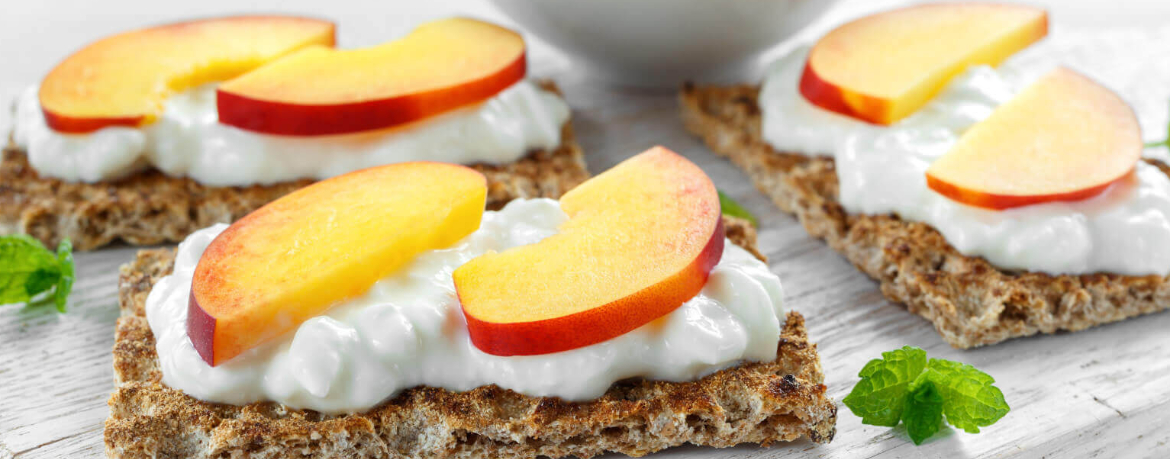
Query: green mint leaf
[[733, 209], [65, 281], [39, 281], [26, 269], [970, 401], [880, 397], [923, 413]]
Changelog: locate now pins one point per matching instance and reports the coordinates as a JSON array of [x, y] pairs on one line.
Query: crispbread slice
[[970, 302], [764, 403], [152, 208]]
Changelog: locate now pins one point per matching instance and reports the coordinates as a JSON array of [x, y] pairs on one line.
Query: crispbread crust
[[152, 208], [764, 403], [970, 302]]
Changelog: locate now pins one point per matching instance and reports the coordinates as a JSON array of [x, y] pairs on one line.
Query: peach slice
[[640, 241], [439, 66], [295, 257], [883, 67], [1063, 138], [123, 80]]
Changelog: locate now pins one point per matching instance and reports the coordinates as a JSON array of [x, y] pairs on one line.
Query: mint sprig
[[880, 396], [923, 413], [28, 269], [733, 209], [970, 401], [904, 386]]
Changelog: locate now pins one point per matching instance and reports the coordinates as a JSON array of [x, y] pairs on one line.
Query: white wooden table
[[1100, 393]]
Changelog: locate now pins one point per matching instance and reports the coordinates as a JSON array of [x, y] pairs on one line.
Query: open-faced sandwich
[[385, 313], [149, 135], [995, 202]]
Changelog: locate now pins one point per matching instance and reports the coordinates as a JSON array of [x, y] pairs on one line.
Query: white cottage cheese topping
[[409, 330], [187, 140]]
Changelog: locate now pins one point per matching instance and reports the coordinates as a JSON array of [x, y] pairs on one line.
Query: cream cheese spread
[[409, 330], [1125, 230], [187, 140]]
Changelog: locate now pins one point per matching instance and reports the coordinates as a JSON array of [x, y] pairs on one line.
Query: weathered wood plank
[[1104, 392]]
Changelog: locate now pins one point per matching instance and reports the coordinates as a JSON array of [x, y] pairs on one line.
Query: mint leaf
[[733, 209], [65, 282], [903, 386], [880, 397], [28, 269], [923, 413], [970, 401]]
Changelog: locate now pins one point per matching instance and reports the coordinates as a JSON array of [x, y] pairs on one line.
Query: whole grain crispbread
[[151, 207], [764, 403], [970, 302]]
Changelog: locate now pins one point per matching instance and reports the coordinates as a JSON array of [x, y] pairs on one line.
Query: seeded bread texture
[[969, 301], [763, 403], [152, 208]]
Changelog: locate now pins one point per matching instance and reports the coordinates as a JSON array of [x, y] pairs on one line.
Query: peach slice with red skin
[[640, 241], [1064, 138], [295, 257], [123, 80], [440, 66], [883, 67]]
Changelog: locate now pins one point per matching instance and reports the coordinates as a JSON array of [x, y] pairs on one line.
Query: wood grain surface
[[1104, 392]]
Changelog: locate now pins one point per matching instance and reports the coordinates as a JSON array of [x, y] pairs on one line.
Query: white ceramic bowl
[[664, 42]]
